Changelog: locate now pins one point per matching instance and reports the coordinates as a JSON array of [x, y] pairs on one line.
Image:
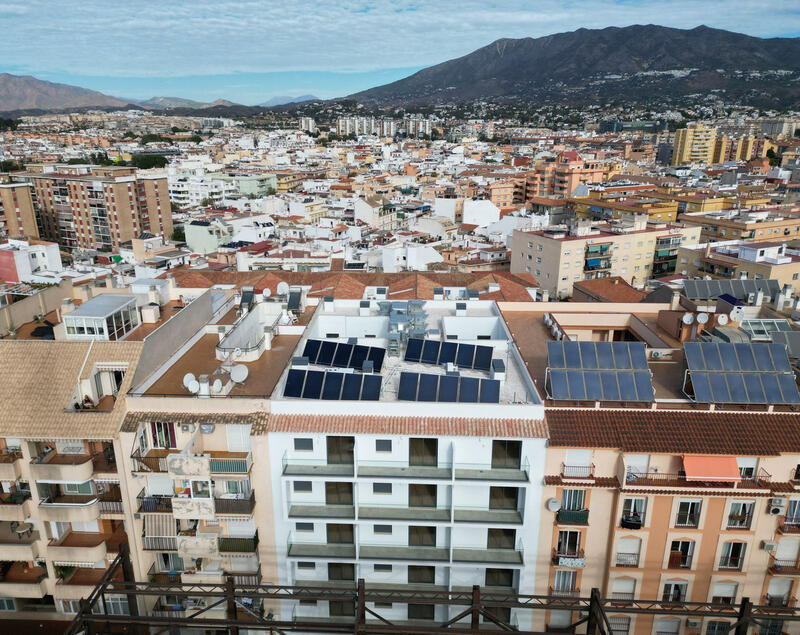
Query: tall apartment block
[[17, 212], [93, 207]]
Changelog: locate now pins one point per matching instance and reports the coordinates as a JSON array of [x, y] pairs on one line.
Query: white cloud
[[200, 37]]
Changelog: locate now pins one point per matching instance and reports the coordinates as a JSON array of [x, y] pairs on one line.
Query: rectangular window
[[569, 543], [572, 499], [382, 568], [7, 604], [383, 445], [304, 526], [301, 486], [564, 581], [306, 565], [304, 445], [308, 602], [383, 605], [382, 529], [381, 488]]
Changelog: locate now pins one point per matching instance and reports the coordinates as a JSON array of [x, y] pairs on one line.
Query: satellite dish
[[737, 314], [194, 386], [702, 318], [266, 293], [688, 318], [722, 319], [239, 373], [188, 378], [553, 504], [283, 288], [216, 387]]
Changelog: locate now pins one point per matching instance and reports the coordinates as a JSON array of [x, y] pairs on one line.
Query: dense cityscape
[[355, 365]]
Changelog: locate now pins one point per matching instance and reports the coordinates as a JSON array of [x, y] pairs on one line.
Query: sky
[[249, 51]]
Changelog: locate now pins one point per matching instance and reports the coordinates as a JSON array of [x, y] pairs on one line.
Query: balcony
[[18, 546], [404, 512], [687, 519], [423, 553], [160, 543], [79, 582], [490, 516], [70, 508], [18, 580], [489, 555], [325, 550], [567, 594], [155, 504], [315, 467], [740, 521], [163, 576], [402, 469], [633, 520], [731, 563], [78, 546], [15, 506], [789, 525], [229, 544], [111, 501], [569, 558], [238, 506], [762, 480], [322, 510], [76, 468], [488, 472], [597, 264], [10, 465], [778, 601], [154, 461], [198, 544], [783, 567], [627, 559], [572, 517], [577, 471], [230, 462]]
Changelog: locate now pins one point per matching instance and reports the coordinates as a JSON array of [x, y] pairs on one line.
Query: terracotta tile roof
[[611, 289], [40, 378], [134, 419], [676, 432], [363, 424]]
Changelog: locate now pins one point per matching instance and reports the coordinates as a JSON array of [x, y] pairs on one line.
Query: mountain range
[[634, 64]]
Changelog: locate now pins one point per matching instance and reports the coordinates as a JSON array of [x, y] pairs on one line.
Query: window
[[619, 625], [499, 577], [308, 602], [306, 565], [381, 488], [421, 574], [688, 514], [674, 592], [163, 434], [724, 593], [304, 526], [116, 605], [680, 554], [633, 510], [564, 581], [304, 445], [382, 568], [383, 605], [569, 543], [572, 499], [421, 611], [301, 486], [732, 555], [382, 529], [7, 604], [740, 515], [342, 608], [383, 445], [718, 628]]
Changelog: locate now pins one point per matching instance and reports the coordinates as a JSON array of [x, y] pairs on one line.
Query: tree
[[206, 202], [9, 124], [128, 135], [178, 234], [774, 159], [797, 133], [195, 138], [148, 161], [152, 138], [10, 166]]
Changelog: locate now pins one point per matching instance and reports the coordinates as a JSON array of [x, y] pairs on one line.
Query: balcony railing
[[242, 545], [622, 597], [247, 579], [778, 601], [687, 519], [231, 465], [160, 543], [731, 562], [573, 517], [159, 504], [162, 576], [111, 501], [740, 521], [627, 559], [761, 480], [14, 498], [789, 525], [564, 593], [148, 463], [632, 520], [577, 471], [571, 554], [235, 505]]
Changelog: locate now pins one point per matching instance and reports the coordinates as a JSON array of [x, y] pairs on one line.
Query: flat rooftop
[[102, 306]]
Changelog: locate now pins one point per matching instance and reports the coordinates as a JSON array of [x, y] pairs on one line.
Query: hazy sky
[[251, 50]]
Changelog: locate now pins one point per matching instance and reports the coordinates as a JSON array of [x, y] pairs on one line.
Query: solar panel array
[[341, 355], [599, 371], [331, 385], [741, 373], [447, 388], [739, 289], [439, 353]]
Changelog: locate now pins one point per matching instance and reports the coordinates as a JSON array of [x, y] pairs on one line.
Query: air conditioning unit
[[186, 427], [769, 545], [777, 506], [657, 354]]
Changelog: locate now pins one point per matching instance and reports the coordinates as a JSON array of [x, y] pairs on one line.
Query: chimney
[[205, 386], [675, 302], [759, 298], [327, 304]]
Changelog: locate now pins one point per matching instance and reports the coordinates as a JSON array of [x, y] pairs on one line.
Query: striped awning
[[159, 525], [76, 563]]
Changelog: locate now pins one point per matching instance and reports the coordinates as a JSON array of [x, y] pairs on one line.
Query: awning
[[711, 468], [160, 525], [592, 262]]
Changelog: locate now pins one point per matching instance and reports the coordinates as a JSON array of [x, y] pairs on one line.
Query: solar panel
[[311, 350], [468, 389], [341, 358], [376, 356], [313, 385], [326, 353], [739, 289], [738, 373], [483, 358], [448, 388], [447, 353], [465, 355], [351, 390], [430, 351], [407, 390], [359, 355], [294, 383], [428, 387], [599, 371], [333, 385], [413, 350], [371, 389], [490, 391]]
